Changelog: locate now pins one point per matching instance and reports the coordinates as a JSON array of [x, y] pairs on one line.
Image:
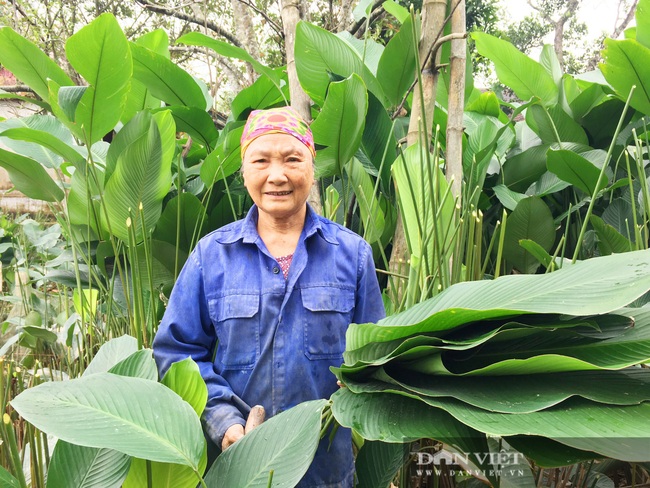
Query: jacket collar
[[247, 230]]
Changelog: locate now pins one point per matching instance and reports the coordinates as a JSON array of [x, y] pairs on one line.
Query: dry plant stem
[[291, 15]]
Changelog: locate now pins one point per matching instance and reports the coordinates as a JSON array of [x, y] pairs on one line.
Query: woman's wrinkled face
[[278, 174]]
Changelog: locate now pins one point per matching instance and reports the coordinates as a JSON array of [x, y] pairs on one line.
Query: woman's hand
[[236, 432], [233, 434]]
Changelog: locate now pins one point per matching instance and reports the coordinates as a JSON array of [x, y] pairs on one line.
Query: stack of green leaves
[[550, 363]]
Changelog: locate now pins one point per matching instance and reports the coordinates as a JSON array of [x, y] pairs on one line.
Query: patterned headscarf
[[273, 121]]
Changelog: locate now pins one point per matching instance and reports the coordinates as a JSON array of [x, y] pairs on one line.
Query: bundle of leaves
[[549, 363]]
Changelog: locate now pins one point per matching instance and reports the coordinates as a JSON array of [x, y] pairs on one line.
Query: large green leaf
[[30, 178], [138, 417], [141, 180], [378, 462], [111, 353], [532, 219], [84, 199], [184, 378], [340, 125], [619, 432], [86, 467], [140, 364], [40, 137], [508, 198], [261, 94], [100, 53], [284, 444], [166, 80], [554, 125], [135, 129], [580, 289], [525, 77], [379, 127], [47, 142], [467, 337], [182, 222], [575, 169], [29, 64], [369, 50], [139, 97], [228, 50], [164, 475], [626, 65], [514, 394], [642, 16], [548, 453], [398, 419], [197, 123], [523, 169], [372, 214], [322, 54], [8, 480], [396, 70], [224, 160], [609, 239]]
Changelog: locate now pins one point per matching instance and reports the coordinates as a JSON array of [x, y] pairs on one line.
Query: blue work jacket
[[275, 339]]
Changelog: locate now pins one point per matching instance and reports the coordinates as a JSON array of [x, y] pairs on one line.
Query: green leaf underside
[[286, 444], [512, 394], [121, 411], [474, 334], [86, 467], [581, 289], [620, 432], [111, 353], [30, 178]]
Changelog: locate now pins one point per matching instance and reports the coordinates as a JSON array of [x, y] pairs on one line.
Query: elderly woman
[[274, 293]]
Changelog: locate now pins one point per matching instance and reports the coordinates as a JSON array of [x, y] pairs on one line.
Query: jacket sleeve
[[186, 330], [369, 306]]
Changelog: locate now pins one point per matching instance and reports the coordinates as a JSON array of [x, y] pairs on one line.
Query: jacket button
[[276, 270]]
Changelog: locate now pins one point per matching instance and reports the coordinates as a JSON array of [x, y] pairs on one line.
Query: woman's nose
[[277, 173]]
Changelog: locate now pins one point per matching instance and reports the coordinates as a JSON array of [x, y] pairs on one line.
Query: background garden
[[510, 228]]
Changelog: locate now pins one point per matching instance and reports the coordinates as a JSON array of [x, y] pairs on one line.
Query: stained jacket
[[275, 339]]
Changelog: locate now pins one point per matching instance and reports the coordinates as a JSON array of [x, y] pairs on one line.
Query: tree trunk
[[433, 21], [456, 105], [244, 31], [433, 18], [291, 14]]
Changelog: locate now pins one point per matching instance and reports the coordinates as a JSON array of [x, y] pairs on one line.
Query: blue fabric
[[275, 339]]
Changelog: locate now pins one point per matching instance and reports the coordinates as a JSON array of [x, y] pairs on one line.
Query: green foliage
[[282, 447], [510, 359], [561, 174]]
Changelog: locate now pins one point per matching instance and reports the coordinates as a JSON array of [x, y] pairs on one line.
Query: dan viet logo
[[502, 463]]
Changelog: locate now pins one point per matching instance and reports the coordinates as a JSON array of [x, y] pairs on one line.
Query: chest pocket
[[328, 314], [236, 319]]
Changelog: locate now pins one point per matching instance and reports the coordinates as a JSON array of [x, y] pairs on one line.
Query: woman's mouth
[[278, 193]]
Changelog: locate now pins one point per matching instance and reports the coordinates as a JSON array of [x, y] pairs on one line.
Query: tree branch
[[376, 5], [619, 28], [194, 20], [274, 26], [16, 88]]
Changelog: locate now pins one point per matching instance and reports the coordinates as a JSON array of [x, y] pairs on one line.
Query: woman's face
[[278, 174]]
